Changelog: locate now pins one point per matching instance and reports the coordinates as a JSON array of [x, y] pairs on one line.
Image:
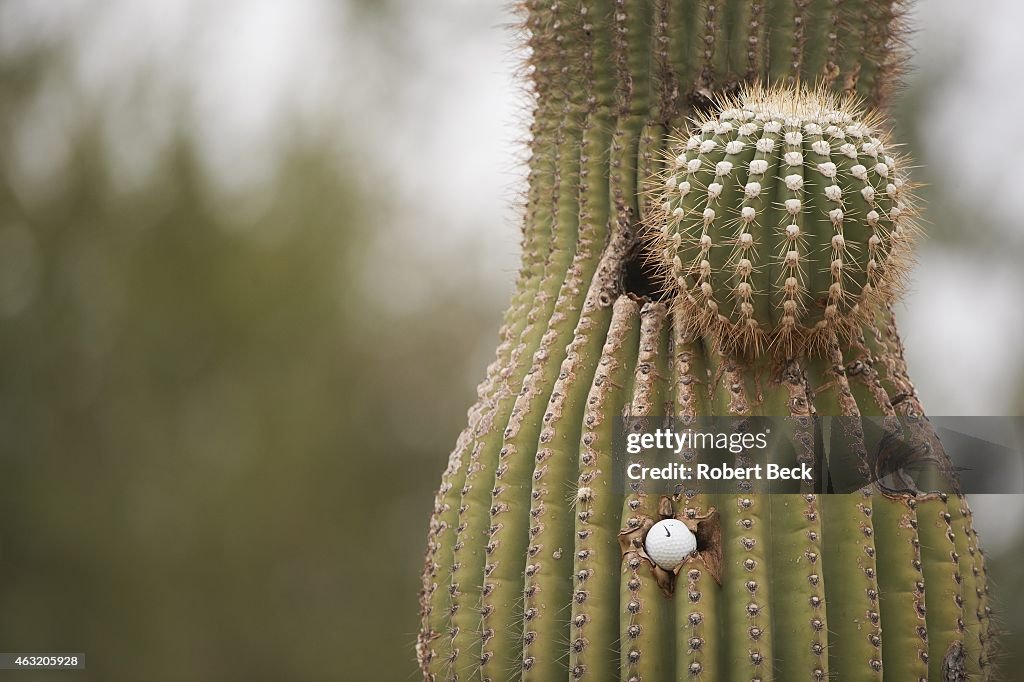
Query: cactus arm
[[831, 242], [594, 630], [645, 617]]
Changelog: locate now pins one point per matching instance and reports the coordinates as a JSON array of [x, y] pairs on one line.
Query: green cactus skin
[[530, 569], [594, 634]]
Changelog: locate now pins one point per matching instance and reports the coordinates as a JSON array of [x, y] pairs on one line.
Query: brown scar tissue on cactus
[[696, 245]]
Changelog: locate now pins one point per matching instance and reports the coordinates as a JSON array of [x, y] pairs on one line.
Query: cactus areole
[[697, 244]]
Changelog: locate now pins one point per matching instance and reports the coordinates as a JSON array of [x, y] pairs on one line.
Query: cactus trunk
[[529, 570]]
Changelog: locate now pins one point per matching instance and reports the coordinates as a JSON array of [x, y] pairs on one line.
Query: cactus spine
[[532, 567]]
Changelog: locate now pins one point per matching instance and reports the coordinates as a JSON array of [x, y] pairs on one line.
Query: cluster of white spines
[[780, 219]]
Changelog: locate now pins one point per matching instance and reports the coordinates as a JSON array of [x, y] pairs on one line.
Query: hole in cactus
[[709, 544], [640, 277]]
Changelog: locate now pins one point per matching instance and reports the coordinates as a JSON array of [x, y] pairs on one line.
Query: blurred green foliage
[[218, 453]]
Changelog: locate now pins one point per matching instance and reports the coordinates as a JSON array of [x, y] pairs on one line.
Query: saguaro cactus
[[534, 565]]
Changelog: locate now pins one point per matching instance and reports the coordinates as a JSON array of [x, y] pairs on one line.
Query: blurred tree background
[[219, 438], [252, 261]]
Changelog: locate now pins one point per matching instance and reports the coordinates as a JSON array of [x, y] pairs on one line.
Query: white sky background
[[442, 117], [962, 322]]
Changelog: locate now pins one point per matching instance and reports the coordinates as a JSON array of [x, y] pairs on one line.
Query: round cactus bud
[[780, 220]]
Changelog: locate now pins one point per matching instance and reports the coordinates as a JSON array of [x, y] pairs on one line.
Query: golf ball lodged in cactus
[[781, 219], [668, 542]]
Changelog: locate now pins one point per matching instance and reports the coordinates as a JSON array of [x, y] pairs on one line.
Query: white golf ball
[[668, 542]]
